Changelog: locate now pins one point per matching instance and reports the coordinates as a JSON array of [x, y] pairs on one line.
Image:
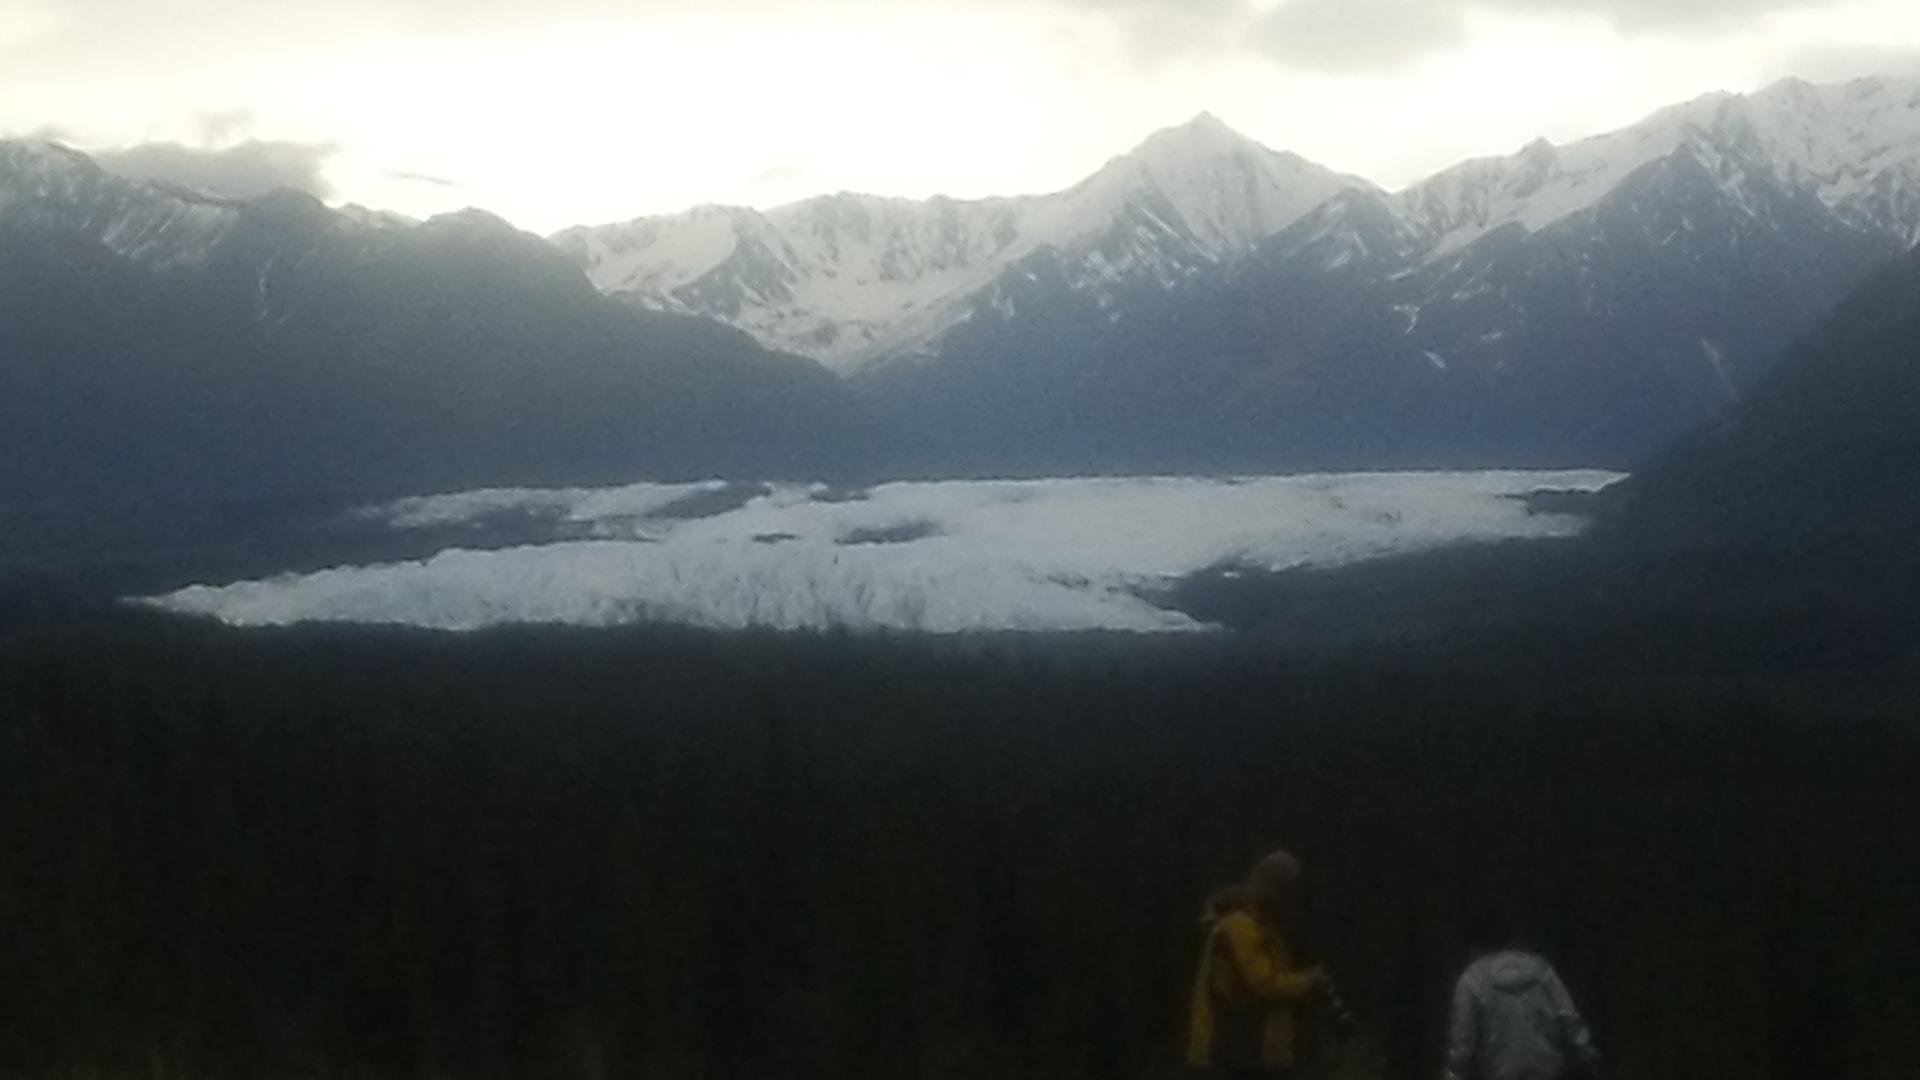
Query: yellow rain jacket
[[1244, 997]]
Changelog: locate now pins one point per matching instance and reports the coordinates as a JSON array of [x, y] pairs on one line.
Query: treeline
[[646, 853]]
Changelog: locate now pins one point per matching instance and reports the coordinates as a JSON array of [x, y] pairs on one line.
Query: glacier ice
[[1037, 555]]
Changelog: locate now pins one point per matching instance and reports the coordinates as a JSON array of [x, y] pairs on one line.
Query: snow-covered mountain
[[1200, 303], [1204, 301], [44, 184], [150, 224], [1854, 146], [1573, 304], [852, 280]]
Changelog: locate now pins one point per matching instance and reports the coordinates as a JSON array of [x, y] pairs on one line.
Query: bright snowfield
[[1041, 555]]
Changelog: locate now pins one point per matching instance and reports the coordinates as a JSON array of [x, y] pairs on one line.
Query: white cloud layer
[[586, 111], [238, 171]]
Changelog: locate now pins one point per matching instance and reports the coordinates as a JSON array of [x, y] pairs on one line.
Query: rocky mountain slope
[[159, 343], [1825, 451]]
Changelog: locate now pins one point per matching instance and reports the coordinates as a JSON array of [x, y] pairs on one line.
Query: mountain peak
[[1204, 134], [40, 148], [1206, 121], [42, 160]]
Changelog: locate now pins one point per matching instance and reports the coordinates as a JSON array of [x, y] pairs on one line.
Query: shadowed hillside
[[157, 345], [1825, 453]]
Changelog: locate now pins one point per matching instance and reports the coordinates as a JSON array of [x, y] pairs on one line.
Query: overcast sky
[[585, 111]]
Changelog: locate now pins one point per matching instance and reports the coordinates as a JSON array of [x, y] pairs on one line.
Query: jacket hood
[[1513, 971]]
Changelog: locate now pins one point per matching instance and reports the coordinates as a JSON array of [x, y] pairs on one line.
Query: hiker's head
[[1492, 926], [1268, 889], [1273, 881]]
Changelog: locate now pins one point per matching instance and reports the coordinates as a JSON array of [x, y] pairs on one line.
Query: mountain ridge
[[1199, 304], [1856, 145], [1573, 307], [793, 274], [157, 341]]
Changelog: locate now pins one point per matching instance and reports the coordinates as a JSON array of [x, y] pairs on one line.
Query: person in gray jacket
[[1512, 1017]]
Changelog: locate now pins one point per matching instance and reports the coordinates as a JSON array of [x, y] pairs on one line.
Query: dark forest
[[660, 853]]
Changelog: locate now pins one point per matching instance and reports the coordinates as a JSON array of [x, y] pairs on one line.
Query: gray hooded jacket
[[1514, 1020]]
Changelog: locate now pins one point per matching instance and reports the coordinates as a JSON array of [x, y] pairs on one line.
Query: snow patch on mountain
[[1856, 146], [35, 168], [159, 225], [1042, 555], [849, 279], [156, 225]]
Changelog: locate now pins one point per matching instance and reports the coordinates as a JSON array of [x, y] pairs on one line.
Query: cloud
[[1357, 35], [1642, 15], [1838, 63], [1371, 35], [1341, 35], [224, 127], [422, 178], [1156, 31], [779, 174], [245, 169], [52, 133]]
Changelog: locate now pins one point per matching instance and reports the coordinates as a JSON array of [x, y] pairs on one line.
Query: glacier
[[939, 557]]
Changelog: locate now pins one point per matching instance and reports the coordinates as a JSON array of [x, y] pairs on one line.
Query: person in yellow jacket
[[1248, 992]]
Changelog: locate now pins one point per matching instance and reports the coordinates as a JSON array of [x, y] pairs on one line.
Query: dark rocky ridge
[[1823, 455], [156, 343]]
